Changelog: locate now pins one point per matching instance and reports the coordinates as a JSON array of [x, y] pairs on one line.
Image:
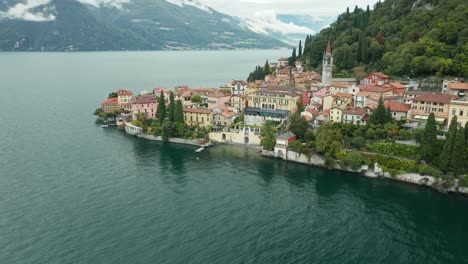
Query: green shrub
[[354, 160], [394, 149], [429, 170]]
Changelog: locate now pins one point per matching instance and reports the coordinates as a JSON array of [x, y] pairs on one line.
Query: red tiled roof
[[111, 101], [124, 92], [380, 75], [144, 99], [374, 88], [397, 106], [234, 82], [435, 97], [354, 111], [340, 85], [344, 95], [283, 59], [397, 85], [458, 86], [197, 110], [364, 94]]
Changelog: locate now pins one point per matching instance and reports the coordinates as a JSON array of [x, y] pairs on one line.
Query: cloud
[[266, 21], [99, 3], [32, 10], [193, 3]]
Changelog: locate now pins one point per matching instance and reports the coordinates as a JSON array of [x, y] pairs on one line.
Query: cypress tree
[[179, 112], [446, 155], [429, 140], [300, 49], [347, 12], [388, 115], [171, 107], [466, 132], [458, 153], [379, 116], [161, 108], [293, 58], [266, 68], [359, 49]]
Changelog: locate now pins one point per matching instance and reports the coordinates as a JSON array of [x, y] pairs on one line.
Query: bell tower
[[327, 65]]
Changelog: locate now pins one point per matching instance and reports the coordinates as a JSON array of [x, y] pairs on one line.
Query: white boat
[[104, 126], [132, 129], [199, 150]]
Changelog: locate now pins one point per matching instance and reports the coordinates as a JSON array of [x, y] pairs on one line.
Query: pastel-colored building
[[239, 103], [336, 115], [200, 117], [398, 110], [146, 104], [339, 87], [354, 115], [436, 103], [110, 105], [459, 108], [376, 78], [124, 96], [239, 87], [376, 91], [455, 88]]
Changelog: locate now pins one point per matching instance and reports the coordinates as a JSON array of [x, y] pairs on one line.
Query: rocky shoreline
[[375, 172]]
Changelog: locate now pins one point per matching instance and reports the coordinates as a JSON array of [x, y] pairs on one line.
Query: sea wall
[[371, 172], [239, 138], [193, 142]]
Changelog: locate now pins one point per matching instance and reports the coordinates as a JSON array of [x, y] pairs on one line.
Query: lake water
[[72, 192]]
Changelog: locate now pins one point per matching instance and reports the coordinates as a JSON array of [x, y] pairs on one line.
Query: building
[[110, 105], [275, 98], [398, 110], [283, 62], [455, 88], [239, 87], [336, 114], [200, 117], [282, 143], [222, 116], [327, 65], [238, 103], [257, 116], [339, 87], [436, 103], [124, 96], [354, 115], [147, 104], [398, 88], [376, 78], [376, 91], [167, 93], [459, 108], [216, 98]]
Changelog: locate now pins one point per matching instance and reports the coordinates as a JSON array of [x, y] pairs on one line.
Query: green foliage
[[400, 165], [267, 137], [354, 160], [404, 134], [447, 153], [112, 95], [429, 170], [298, 125], [457, 159], [429, 140], [161, 108], [98, 111], [399, 37], [266, 68], [293, 58], [196, 98], [328, 140], [167, 129], [137, 123], [257, 74], [172, 106], [394, 149], [179, 112], [358, 142], [298, 147], [380, 115]]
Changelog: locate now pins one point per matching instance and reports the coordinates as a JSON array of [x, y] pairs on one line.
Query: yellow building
[[201, 117], [438, 104], [124, 96], [336, 115], [275, 98], [238, 103], [459, 108]]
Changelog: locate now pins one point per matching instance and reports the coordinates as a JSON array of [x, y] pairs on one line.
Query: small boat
[[199, 150], [104, 126]]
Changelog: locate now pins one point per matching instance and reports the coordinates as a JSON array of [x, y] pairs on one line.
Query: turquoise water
[[72, 192]]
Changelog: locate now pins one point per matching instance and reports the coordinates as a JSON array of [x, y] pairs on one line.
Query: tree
[[328, 140], [298, 125], [446, 156], [179, 112], [429, 140], [293, 58], [466, 132], [167, 127], [112, 95], [161, 108], [171, 107], [354, 160], [458, 153], [347, 12], [267, 137], [196, 98], [300, 49], [379, 116], [266, 69]]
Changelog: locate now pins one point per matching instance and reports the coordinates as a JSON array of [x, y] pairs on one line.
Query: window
[[454, 112], [441, 109], [441, 104], [461, 113]]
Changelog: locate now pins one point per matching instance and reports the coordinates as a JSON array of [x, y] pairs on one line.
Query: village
[[324, 99]]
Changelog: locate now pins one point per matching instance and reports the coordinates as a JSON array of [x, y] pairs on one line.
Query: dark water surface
[[72, 192]]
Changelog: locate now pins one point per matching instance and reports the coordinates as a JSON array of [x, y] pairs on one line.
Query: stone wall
[[240, 137], [193, 142]]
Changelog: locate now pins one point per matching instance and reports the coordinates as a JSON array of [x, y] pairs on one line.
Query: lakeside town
[[375, 126]]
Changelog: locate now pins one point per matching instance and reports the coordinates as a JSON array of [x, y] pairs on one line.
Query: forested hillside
[[412, 38]]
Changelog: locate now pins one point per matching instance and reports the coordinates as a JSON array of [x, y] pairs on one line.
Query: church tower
[[327, 65]]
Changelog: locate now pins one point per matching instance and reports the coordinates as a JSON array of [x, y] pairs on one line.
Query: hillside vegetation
[[412, 38]]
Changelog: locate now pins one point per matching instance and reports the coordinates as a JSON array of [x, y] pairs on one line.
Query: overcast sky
[[315, 8]]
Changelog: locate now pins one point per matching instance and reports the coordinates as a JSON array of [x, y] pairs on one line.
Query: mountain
[[412, 38], [85, 25]]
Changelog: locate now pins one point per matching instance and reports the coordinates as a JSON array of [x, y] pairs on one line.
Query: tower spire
[[329, 49]]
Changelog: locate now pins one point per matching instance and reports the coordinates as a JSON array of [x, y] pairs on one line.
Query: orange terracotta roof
[[111, 101], [458, 86], [340, 85], [354, 111], [397, 106], [374, 88], [435, 97], [380, 75], [347, 95], [397, 85], [124, 92]]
